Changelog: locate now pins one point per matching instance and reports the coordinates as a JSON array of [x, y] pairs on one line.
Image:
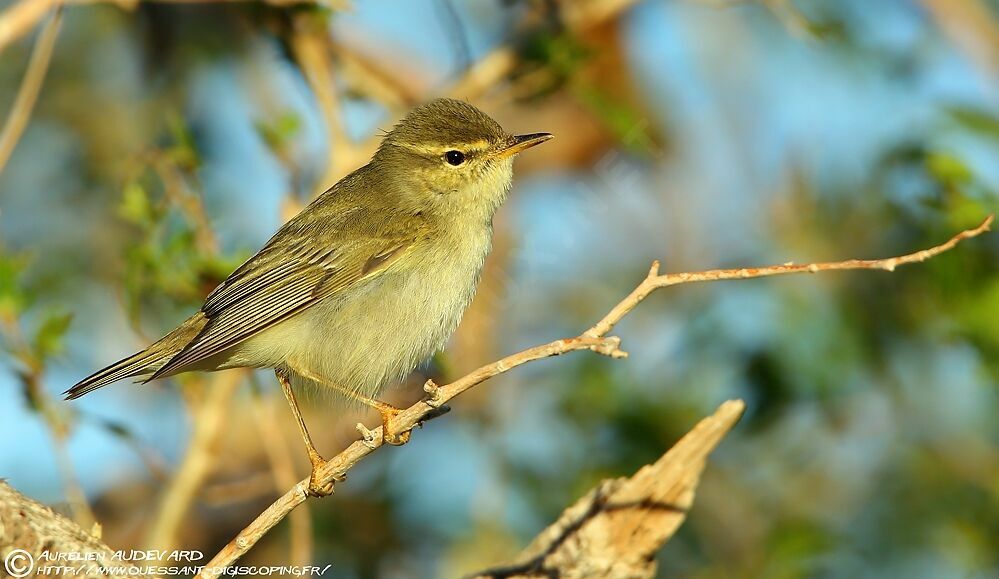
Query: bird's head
[[449, 157]]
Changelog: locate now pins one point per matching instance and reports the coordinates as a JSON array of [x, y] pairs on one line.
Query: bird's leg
[[315, 488], [386, 410]]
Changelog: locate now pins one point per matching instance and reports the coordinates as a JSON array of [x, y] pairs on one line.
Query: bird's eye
[[454, 158]]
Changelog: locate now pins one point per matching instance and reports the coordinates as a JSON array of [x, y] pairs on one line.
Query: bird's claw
[[398, 439], [389, 412], [318, 488]]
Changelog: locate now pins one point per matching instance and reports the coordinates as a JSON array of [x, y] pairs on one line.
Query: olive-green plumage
[[369, 279]]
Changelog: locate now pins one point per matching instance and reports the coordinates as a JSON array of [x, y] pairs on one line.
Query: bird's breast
[[377, 332]]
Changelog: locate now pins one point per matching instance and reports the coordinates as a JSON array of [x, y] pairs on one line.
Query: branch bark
[[616, 529], [21, 18], [594, 339], [29, 529], [275, 444]]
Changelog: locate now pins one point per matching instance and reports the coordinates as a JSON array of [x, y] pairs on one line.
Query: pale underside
[[374, 335], [356, 308], [358, 288]]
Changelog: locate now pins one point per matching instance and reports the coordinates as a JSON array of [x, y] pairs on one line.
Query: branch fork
[[434, 398], [594, 339]]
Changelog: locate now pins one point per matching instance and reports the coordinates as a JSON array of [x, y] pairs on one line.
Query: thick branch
[[28, 529], [616, 529], [595, 339]]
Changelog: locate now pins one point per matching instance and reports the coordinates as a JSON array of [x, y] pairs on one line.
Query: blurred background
[[170, 139]]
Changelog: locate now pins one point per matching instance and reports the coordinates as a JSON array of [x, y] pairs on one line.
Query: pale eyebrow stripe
[[478, 145]]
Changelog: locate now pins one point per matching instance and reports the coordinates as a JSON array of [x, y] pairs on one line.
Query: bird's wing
[[281, 280]]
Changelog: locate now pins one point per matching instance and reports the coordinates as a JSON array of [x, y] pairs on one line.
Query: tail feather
[[143, 363]]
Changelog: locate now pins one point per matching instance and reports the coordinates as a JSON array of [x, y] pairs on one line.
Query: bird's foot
[[318, 488], [388, 412]]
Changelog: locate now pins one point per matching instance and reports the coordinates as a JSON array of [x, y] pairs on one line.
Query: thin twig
[[459, 36], [253, 486], [57, 421], [279, 454], [595, 339], [31, 85], [188, 202], [486, 73], [655, 281], [364, 76], [75, 496], [490, 70], [972, 26], [583, 14], [310, 44], [21, 18]]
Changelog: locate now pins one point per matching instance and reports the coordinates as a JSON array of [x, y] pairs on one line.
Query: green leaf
[[280, 131], [948, 169], [13, 300], [135, 205], [49, 337], [184, 151], [975, 120], [628, 126]]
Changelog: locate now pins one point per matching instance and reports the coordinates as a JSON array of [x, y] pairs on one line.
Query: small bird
[[367, 281]]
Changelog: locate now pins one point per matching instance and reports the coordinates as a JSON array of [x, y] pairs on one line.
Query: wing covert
[[278, 282]]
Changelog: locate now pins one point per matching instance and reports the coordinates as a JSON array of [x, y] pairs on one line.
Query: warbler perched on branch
[[367, 281]]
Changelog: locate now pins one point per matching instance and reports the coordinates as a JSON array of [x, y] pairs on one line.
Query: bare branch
[[310, 44], [283, 468], [28, 529], [655, 281], [595, 339], [31, 85], [616, 529], [490, 70], [21, 18]]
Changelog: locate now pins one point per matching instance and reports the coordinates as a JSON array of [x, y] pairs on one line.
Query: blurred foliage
[[31, 334], [175, 255], [169, 138]]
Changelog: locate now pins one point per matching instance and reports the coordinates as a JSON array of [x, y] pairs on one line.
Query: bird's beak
[[518, 143]]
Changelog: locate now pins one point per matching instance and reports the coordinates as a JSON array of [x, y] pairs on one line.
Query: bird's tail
[[138, 364], [141, 363]]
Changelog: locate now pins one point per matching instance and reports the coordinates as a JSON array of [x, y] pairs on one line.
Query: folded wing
[[286, 276]]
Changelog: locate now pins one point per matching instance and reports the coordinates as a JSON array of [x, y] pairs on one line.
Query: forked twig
[[594, 339]]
